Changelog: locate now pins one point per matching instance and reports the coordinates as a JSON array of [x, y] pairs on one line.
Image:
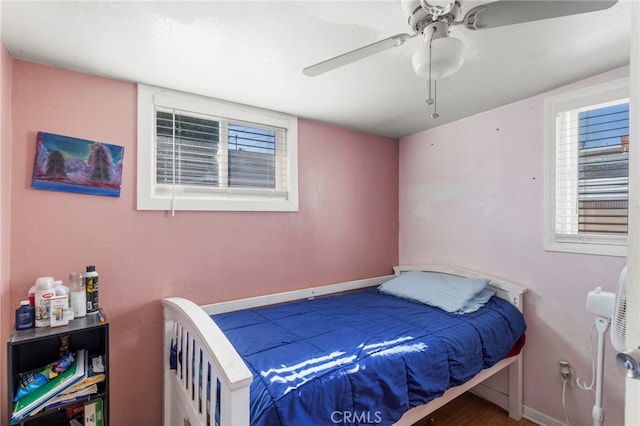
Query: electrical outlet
[[565, 372]]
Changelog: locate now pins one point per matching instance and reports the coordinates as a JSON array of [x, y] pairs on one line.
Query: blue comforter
[[364, 357]]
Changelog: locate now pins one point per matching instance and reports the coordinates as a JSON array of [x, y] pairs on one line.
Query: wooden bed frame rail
[[210, 384]]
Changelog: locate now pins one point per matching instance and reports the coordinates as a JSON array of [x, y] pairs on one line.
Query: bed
[[215, 374]]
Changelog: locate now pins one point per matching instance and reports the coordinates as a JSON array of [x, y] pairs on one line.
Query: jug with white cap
[[45, 290]]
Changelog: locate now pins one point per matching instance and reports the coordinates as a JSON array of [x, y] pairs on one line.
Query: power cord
[[564, 405], [581, 384]]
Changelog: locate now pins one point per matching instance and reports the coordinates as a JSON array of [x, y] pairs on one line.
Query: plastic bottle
[[78, 295], [91, 284], [32, 296], [45, 290], [25, 316], [61, 290]]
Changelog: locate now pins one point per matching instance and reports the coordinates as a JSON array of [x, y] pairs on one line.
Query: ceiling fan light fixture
[[447, 57], [437, 7]]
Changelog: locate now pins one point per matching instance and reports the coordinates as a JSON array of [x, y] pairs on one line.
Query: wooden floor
[[471, 410]]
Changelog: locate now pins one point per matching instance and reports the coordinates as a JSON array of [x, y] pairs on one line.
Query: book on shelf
[[87, 381], [65, 398], [38, 399], [93, 413], [81, 391]]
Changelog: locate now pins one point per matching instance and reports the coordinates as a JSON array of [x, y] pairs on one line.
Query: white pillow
[[447, 292]]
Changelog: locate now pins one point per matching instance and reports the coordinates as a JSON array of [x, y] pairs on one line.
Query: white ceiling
[[252, 52]]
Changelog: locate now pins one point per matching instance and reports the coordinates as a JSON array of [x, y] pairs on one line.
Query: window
[[587, 161], [197, 153]]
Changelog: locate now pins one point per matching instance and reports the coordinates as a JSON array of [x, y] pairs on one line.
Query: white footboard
[[205, 388]]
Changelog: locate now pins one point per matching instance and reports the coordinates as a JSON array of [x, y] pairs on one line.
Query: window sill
[[618, 248]]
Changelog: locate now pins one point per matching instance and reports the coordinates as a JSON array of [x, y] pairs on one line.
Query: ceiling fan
[[440, 55]]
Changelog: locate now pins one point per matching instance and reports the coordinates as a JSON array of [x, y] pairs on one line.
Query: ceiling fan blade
[[508, 12], [357, 54]]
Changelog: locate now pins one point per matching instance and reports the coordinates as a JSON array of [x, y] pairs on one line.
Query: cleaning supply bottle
[[91, 284], [45, 290], [60, 289], [25, 316]]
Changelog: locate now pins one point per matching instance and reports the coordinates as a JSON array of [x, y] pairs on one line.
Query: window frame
[[153, 196], [596, 244]]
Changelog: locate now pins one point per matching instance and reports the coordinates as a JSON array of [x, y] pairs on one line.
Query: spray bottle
[[91, 285]]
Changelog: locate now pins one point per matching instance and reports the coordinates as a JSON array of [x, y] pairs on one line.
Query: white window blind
[[603, 169], [201, 159], [217, 153], [186, 149], [587, 170]]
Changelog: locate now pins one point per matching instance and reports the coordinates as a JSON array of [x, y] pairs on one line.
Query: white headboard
[[504, 289]]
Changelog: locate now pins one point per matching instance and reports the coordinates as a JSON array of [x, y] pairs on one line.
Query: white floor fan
[[611, 310]]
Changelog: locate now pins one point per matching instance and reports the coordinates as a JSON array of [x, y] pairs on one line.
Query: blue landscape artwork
[[69, 164]]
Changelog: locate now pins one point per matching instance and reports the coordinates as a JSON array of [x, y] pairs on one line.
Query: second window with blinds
[[197, 153], [587, 169]]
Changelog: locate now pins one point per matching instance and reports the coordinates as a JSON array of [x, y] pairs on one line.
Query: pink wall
[[5, 209], [472, 194], [346, 228]]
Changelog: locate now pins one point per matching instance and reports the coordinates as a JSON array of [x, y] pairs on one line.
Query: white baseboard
[[502, 400], [539, 418]]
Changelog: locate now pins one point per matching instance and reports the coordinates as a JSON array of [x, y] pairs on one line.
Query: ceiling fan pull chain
[[427, 89], [430, 99], [435, 100]]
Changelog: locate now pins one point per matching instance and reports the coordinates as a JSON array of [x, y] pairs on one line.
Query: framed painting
[[63, 163]]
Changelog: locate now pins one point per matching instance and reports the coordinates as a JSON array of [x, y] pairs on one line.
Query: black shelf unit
[[36, 347]]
